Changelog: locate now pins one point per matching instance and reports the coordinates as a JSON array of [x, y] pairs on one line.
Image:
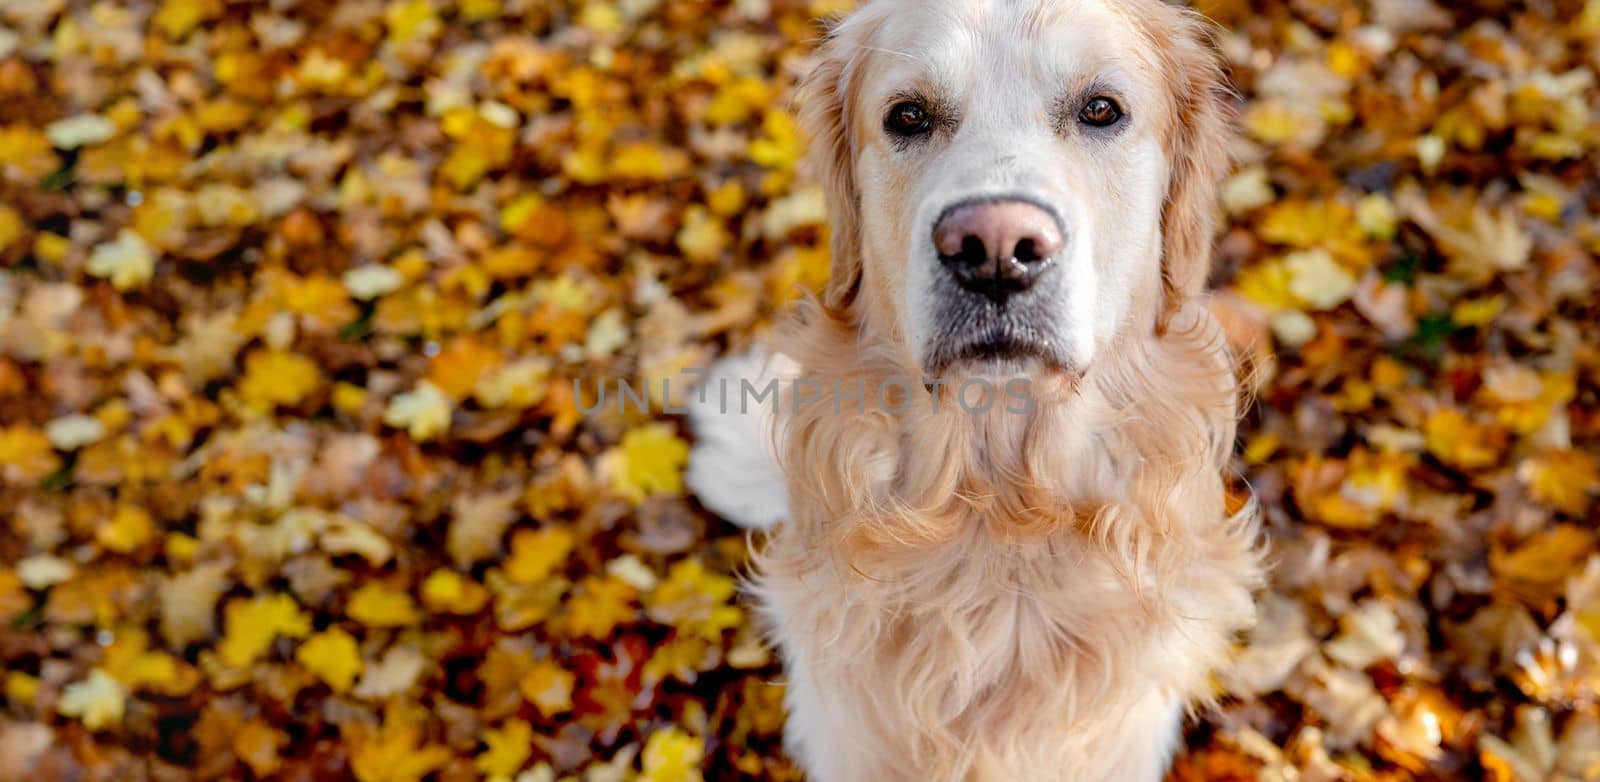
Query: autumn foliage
[[293, 296]]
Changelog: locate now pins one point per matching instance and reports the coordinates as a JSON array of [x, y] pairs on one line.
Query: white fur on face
[[1009, 85]]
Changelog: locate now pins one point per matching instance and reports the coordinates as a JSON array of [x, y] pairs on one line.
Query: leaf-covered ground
[[293, 295]]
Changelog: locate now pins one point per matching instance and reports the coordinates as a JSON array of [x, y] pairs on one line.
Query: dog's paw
[[733, 466]]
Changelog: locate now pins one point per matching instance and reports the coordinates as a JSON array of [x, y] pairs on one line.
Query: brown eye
[[908, 118], [1100, 112]]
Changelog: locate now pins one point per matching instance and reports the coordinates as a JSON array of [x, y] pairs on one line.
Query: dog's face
[[1013, 182]]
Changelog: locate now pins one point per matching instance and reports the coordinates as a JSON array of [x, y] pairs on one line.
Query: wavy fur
[[1008, 596]]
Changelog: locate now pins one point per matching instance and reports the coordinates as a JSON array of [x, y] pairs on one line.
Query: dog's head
[[1016, 183]]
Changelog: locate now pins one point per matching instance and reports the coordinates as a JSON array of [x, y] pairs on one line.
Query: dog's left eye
[[1100, 112], [908, 118]]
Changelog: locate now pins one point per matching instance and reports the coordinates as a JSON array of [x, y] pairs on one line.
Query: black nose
[[997, 247]]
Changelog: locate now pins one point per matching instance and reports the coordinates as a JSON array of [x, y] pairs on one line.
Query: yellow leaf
[[695, 600], [447, 591], [727, 199], [517, 212], [11, 226], [647, 161], [1308, 224], [598, 606], [252, 624], [535, 554], [649, 461], [277, 377], [1276, 122], [20, 688], [460, 365], [129, 660], [548, 687], [1267, 284], [25, 454], [506, 749], [781, 146], [333, 657], [702, 237], [257, 744], [682, 658], [670, 755], [1546, 558], [1564, 479], [1318, 280], [1478, 312], [25, 152], [1458, 440], [129, 528], [393, 752], [318, 296], [1378, 217], [518, 385], [377, 605], [177, 17], [408, 19]]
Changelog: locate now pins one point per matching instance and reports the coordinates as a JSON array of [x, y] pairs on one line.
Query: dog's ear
[[1197, 153], [825, 97]]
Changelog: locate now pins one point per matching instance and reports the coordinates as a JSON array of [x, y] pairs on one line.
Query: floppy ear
[[825, 97], [1197, 151]]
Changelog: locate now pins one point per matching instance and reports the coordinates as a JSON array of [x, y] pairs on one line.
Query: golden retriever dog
[[1020, 191]]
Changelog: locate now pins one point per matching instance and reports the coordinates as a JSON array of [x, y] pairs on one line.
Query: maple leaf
[[505, 749], [25, 454], [457, 368], [598, 605], [423, 412], [394, 673], [130, 661], [258, 744], [98, 701], [670, 755], [129, 528], [695, 601], [1458, 440], [277, 377], [393, 752], [535, 554], [1565, 479], [189, 600], [478, 521], [548, 687], [128, 262], [333, 657], [376, 604], [649, 461], [450, 592], [251, 625]]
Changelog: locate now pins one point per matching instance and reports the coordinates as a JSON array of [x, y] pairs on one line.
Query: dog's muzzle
[[997, 301], [997, 247]]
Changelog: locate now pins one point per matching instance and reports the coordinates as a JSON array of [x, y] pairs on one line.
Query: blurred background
[[293, 295]]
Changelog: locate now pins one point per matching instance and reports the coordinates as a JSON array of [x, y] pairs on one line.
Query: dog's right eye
[[908, 118]]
